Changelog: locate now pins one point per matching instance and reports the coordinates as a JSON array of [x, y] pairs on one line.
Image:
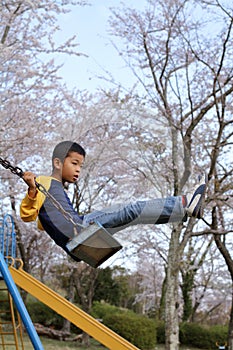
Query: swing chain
[[57, 205], [7, 165], [19, 172]]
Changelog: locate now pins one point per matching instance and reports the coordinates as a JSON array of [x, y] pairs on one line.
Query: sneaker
[[195, 199]]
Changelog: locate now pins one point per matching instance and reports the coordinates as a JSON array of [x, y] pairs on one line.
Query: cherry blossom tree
[[182, 65], [33, 102], [147, 142]]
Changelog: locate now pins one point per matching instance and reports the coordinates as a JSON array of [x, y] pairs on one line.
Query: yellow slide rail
[[69, 311]]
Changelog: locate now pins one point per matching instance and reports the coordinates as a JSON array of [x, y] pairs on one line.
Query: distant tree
[[85, 278], [33, 100], [106, 288], [193, 261], [128, 284], [184, 74]]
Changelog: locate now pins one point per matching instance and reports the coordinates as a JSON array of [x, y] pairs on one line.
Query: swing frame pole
[[20, 305]]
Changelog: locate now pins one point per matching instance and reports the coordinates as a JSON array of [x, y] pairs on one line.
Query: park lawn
[[51, 344]]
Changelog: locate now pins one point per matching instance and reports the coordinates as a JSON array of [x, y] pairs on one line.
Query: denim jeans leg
[[155, 211]]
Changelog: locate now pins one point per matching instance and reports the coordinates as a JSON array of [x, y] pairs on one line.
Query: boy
[[67, 160]]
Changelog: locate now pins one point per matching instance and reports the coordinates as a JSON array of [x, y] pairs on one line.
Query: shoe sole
[[197, 210]]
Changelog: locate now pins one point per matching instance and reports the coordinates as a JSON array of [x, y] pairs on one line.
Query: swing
[[93, 244]]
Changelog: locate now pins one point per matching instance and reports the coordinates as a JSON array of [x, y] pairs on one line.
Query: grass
[[50, 344]]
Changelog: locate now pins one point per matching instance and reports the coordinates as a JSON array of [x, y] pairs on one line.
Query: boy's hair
[[62, 150]]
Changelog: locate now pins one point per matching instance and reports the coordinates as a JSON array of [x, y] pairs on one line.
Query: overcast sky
[[89, 23]]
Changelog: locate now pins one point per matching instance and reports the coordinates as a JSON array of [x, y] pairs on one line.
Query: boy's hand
[[30, 178]]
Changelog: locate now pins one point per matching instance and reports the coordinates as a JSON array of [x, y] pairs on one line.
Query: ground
[[50, 344]]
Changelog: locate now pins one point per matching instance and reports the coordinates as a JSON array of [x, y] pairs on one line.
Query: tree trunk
[[221, 245], [230, 327], [171, 297], [85, 339], [187, 288], [70, 297]]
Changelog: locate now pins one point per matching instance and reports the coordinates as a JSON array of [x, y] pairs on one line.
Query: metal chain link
[[7, 165], [19, 172], [57, 205]]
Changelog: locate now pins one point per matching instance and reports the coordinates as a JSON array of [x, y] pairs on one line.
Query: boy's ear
[[57, 164]]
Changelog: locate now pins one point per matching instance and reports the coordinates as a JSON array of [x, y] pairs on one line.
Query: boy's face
[[71, 167]]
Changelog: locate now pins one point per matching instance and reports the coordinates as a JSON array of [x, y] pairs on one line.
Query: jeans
[[155, 211]]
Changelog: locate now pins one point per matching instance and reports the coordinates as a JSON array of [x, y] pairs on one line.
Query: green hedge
[[202, 337], [196, 335], [138, 330], [160, 331], [99, 310]]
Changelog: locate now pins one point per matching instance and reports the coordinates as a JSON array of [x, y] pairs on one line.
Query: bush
[[4, 306], [99, 310], [160, 331], [138, 330], [219, 334], [40, 313], [192, 334], [202, 337]]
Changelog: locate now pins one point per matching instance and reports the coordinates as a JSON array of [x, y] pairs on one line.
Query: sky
[[89, 23]]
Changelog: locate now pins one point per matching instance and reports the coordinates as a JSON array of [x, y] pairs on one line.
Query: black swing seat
[[94, 245]]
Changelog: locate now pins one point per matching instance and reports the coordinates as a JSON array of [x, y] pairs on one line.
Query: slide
[[69, 311]]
